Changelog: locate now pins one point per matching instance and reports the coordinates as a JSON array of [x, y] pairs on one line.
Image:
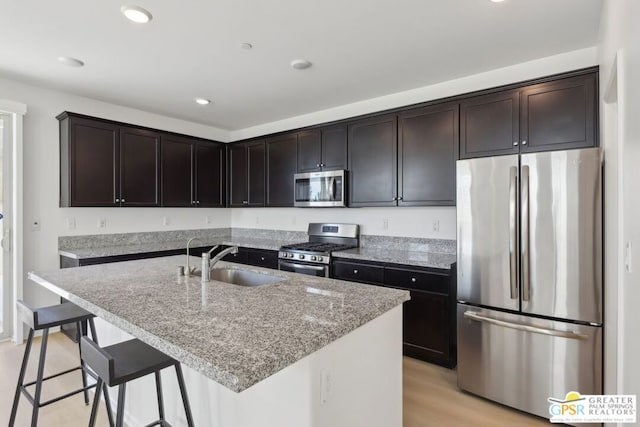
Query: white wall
[[41, 179], [619, 37]]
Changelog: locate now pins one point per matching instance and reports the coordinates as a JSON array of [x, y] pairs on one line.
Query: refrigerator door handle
[[513, 232], [527, 328], [524, 234]]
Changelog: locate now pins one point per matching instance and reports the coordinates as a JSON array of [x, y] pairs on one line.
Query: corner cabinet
[[111, 164]]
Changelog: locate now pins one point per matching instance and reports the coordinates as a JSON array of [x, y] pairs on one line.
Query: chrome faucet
[[189, 271], [208, 263]]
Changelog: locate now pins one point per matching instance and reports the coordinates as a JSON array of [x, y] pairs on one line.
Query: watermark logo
[[607, 408]]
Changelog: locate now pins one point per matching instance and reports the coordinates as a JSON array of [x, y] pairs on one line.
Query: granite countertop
[[235, 335], [398, 256], [128, 249]]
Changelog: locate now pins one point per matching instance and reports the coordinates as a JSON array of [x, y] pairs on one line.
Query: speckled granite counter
[[416, 258], [235, 335]]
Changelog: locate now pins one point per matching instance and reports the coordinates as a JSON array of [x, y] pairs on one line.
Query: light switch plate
[[102, 223], [71, 223]]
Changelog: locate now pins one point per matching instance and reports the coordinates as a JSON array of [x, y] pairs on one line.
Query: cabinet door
[[559, 115], [238, 175], [139, 167], [309, 151], [428, 150], [92, 165], [177, 171], [281, 166], [372, 162], [256, 170], [334, 148], [426, 325], [489, 125], [210, 174]]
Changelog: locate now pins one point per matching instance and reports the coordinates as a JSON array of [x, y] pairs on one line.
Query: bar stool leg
[[23, 370], [83, 372], [159, 394], [121, 394], [36, 397], [107, 398], [96, 400], [183, 393]]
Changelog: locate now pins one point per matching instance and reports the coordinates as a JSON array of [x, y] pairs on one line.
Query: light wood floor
[[431, 397]]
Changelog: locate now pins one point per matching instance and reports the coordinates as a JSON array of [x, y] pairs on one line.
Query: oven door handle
[[310, 267]]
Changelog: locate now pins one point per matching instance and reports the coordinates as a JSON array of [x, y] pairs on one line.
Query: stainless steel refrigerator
[[529, 268]]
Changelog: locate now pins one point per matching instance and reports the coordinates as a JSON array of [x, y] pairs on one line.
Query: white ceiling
[[360, 49]]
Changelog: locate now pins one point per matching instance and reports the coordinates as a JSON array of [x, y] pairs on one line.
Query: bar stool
[[43, 319], [120, 363]]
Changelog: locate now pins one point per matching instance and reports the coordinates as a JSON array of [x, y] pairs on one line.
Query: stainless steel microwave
[[320, 189]]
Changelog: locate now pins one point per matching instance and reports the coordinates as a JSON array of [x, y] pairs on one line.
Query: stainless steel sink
[[243, 277]]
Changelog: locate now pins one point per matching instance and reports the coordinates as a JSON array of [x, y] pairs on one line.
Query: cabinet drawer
[[263, 258], [357, 272], [416, 279]]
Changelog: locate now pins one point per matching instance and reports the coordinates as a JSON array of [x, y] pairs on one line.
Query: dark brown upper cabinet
[[428, 141], [322, 149], [247, 174], [178, 171], [282, 164], [373, 151], [89, 162], [489, 125], [559, 115], [210, 160], [139, 167]]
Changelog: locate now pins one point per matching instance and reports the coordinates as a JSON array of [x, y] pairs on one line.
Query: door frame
[[16, 111]]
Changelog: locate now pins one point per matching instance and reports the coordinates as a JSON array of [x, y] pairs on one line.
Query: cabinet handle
[[318, 165], [261, 258], [122, 200], [400, 198], [117, 200], [394, 199], [515, 143], [244, 202], [524, 142], [321, 165], [198, 202], [355, 271], [413, 280]]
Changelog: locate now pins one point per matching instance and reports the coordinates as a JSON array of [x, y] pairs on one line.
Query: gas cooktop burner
[[317, 247]]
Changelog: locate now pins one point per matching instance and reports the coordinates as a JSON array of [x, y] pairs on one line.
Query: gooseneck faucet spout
[[189, 271], [208, 263]]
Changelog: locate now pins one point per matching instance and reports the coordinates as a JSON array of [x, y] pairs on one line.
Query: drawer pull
[[355, 271], [261, 258], [413, 279]]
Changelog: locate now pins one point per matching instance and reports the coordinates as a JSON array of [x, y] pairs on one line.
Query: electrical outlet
[[385, 223], [436, 226], [627, 257], [325, 386], [207, 219], [257, 220], [71, 223], [35, 225], [165, 220], [102, 223]]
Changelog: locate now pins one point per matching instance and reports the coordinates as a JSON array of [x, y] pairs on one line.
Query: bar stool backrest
[[97, 359]]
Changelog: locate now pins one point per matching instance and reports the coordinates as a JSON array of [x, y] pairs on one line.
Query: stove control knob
[[313, 257], [290, 255], [319, 258], [300, 256]]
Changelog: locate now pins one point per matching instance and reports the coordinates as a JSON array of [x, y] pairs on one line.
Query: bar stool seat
[[120, 363], [43, 319]]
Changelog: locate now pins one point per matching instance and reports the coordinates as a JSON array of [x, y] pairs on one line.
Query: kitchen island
[[304, 351]]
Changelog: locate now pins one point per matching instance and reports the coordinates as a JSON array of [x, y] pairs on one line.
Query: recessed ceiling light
[[136, 14], [203, 101], [300, 64], [246, 46], [71, 62]]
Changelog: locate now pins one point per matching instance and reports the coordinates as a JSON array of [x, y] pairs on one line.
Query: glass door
[[5, 259]]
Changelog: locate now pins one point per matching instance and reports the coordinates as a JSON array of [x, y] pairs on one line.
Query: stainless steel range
[[314, 257]]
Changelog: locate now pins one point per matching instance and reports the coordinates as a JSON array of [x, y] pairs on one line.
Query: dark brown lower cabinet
[[429, 326]]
